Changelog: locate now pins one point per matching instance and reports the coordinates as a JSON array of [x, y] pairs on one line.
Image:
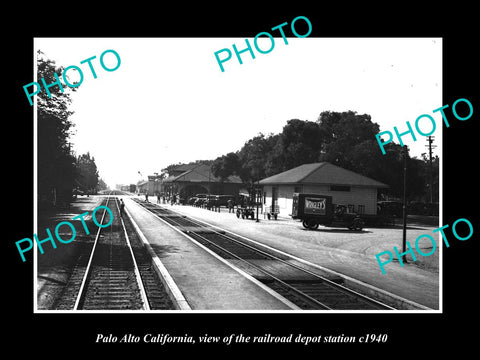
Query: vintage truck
[[316, 209]]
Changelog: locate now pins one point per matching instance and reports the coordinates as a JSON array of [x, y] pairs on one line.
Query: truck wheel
[[357, 225], [310, 224]]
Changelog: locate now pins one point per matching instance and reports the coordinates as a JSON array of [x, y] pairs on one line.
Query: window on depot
[[339, 188]]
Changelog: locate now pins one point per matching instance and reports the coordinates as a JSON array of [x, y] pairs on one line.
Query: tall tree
[[87, 173], [102, 185], [343, 133], [227, 165], [55, 160], [350, 143], [254, 156], [300, 142]]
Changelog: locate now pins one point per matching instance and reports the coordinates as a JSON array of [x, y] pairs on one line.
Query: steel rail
[[143, 293], [328, 282], [82, 291], [89, 264], [305, 297]]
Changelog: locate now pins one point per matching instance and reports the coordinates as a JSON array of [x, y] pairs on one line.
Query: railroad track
[[115, 272], [305, 288]]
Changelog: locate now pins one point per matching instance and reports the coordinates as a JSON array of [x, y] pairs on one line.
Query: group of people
[[230, 205], [174, 199], [162, 199]]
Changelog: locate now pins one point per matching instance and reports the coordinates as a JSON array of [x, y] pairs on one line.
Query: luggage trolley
[[272, 211]]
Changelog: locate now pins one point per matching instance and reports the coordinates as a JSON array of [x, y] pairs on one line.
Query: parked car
[[211, 201], [223, 199], [390, 208], [423, 208], [200, 200]]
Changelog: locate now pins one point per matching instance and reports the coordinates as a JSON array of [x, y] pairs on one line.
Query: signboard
[[317, 206]]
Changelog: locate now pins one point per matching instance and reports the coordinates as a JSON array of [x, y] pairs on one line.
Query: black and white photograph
[[264, 186], [244, 190]]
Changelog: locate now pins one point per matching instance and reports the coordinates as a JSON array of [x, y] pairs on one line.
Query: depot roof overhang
[[322, 173]]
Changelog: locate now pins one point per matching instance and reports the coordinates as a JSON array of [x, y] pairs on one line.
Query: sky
[[169, 102]]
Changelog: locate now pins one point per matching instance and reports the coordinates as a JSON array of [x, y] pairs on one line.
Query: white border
[[35, 181], [35, 227]]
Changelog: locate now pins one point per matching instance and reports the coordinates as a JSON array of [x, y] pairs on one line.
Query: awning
[[243, 192]]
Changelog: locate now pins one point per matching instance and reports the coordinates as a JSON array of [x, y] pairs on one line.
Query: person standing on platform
[[122, 207]]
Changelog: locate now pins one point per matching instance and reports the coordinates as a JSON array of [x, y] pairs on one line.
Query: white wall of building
[[356, 196]]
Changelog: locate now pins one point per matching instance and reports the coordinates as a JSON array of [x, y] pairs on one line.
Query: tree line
[[346, 139], [61, 173]]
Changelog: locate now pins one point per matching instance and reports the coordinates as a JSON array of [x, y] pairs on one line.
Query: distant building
[[122, 187], [357, 192], [143, 187], [191, 179]]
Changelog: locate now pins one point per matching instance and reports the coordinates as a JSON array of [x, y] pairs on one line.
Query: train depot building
[[191, 179], [356, 192]]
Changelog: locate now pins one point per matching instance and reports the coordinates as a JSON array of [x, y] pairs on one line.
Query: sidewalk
[[207, 283]]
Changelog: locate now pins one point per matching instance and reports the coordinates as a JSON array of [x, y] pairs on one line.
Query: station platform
[[351, 255], [205, 281]]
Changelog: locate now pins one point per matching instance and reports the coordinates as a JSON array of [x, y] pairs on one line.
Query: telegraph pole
[[404, 242], [257, 197], [430, 140]]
